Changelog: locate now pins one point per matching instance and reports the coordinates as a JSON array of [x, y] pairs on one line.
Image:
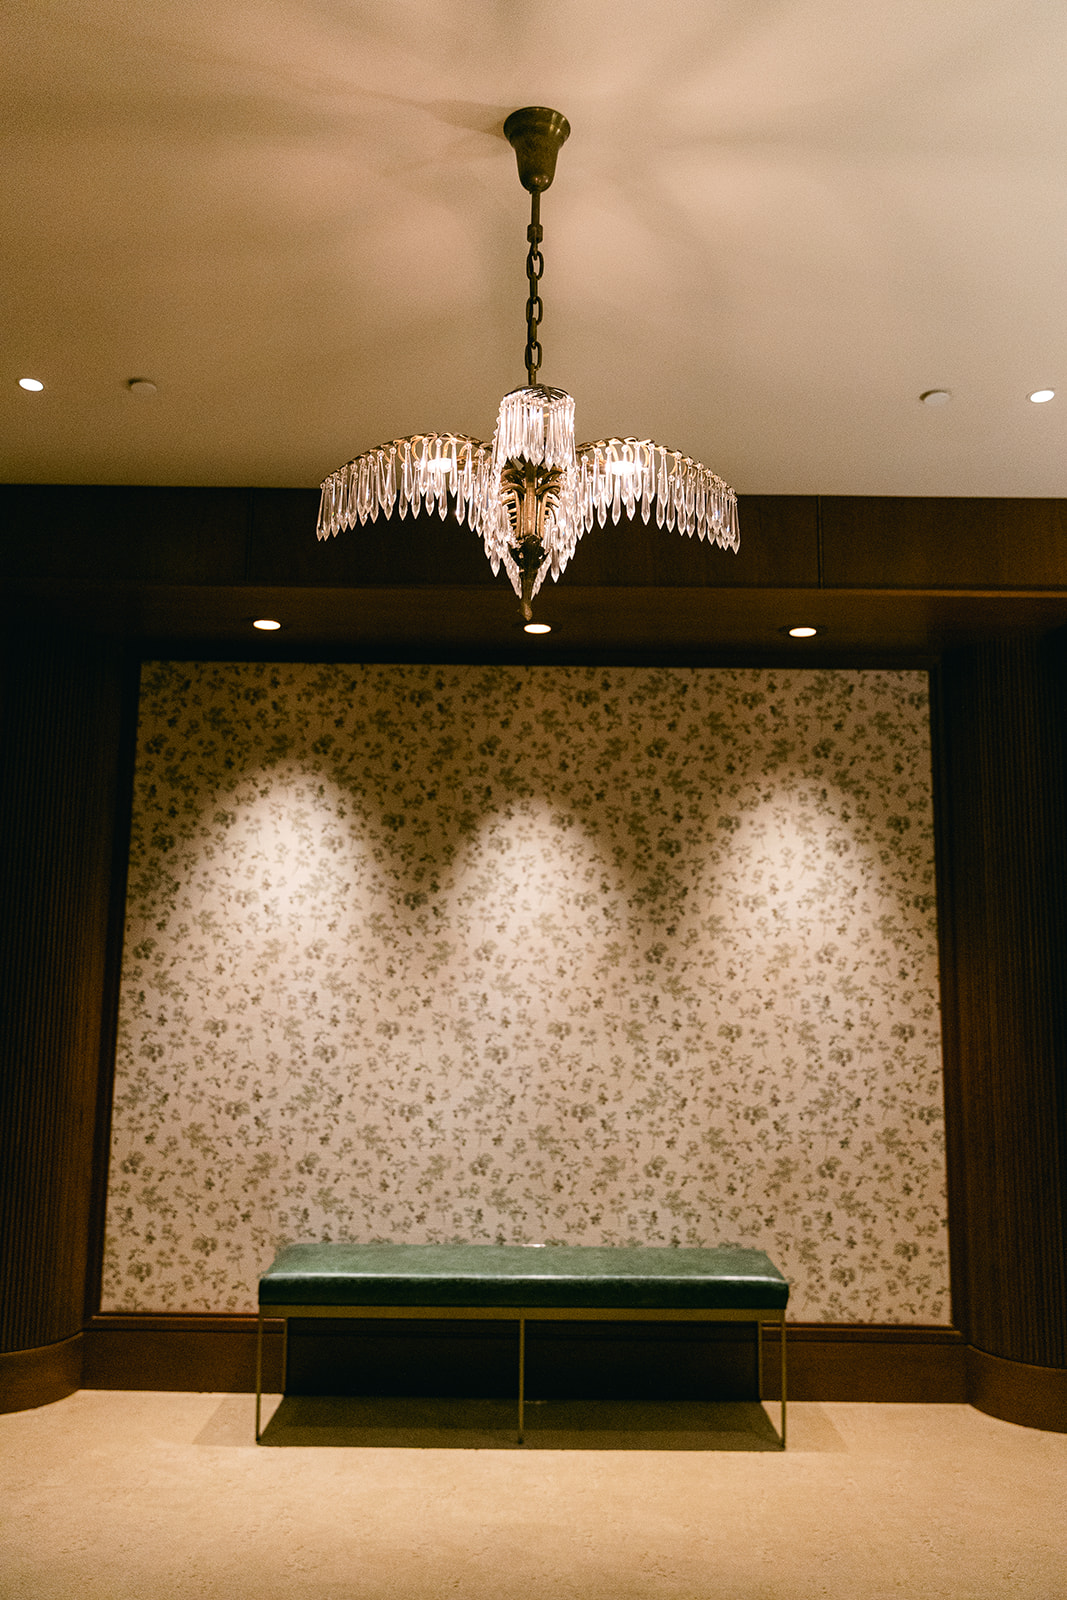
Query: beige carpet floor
[[134, 1496]]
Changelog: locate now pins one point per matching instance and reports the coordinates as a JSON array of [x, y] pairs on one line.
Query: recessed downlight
[[537, 627], [266, 624], [34, 385], [802, 631], [1040, 396], [141, 386], [936, 397]]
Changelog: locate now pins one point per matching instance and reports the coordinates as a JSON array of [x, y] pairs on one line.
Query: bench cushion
[[648, 1278]]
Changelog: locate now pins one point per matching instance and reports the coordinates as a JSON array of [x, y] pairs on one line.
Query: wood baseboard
[[1035, 1397], [31, 1378], [826, 1361], [205, 1353], [921, 1365]]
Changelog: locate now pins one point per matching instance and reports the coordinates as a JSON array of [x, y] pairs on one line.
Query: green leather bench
[[523, 1283]]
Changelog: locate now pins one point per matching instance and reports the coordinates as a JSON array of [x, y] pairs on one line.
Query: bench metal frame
[[760, 1315]]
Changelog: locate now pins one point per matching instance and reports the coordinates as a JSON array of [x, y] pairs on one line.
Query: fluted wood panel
[[60, 720], [1003, 848]]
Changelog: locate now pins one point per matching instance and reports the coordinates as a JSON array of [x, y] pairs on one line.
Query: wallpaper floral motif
[[573, 955]]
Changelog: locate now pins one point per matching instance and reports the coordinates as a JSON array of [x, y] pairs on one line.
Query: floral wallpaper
[[561, 954]]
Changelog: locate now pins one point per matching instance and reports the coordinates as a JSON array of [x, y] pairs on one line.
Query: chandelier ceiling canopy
[[531, 493]]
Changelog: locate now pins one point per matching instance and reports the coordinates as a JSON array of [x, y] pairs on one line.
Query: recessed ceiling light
[[936, 397], [802, 632], [537, 627], [141, 386], [33, 384], [1039, 396], [266, 624]]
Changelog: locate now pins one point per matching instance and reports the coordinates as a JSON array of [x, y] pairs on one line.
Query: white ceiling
[[775, 224]]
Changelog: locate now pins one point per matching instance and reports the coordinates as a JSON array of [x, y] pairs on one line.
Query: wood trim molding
[[30, 1378], [1034, 1397], [205, 1353], [882, 1362], [827, 1362], [872, 1362]]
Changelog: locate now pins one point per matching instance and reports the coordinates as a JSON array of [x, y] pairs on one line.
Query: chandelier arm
[[436, 468], [624, 476]]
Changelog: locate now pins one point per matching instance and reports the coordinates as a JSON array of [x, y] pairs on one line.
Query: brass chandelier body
[[531, 493]]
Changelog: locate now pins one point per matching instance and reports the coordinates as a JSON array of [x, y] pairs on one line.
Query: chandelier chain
[[535, 266]]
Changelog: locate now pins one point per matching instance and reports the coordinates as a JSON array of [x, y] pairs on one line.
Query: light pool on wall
[[575, 955]]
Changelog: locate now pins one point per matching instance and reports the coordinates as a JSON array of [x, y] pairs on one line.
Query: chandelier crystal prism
[[531, 494]]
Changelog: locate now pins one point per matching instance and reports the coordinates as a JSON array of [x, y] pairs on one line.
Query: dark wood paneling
[[31, 1378], [1002, 819], [779, 549], [401, 551], [176, 536], [127, 535], [60, 729], [872, 543], [188, 569], [266, 537]]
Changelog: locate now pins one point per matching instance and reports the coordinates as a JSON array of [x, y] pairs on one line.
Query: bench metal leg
[[522, 1374], [781, 1336], [259, 1371], [759, 1362]]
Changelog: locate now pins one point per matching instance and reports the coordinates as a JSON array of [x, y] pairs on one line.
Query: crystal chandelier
[[531, 494]]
